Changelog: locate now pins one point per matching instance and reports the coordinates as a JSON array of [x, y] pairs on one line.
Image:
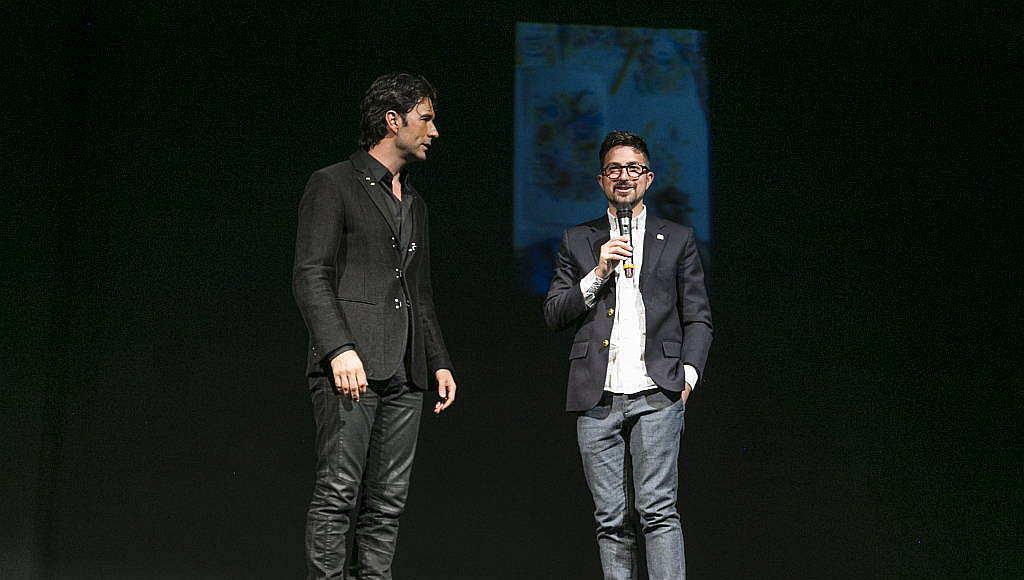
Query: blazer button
[[605, 343], [611, 312]]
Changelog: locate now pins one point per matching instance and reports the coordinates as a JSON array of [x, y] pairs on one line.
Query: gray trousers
[[630, 450], [365, 453]]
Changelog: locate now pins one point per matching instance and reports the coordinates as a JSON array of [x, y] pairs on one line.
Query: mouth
[[624, 188]]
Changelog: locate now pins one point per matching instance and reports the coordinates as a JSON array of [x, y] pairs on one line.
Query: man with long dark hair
[[637, 301], [362, 282]]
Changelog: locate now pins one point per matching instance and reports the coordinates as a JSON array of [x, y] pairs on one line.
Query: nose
[[432, 131]]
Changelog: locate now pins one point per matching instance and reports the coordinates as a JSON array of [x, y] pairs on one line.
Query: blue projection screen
[[573, 85]]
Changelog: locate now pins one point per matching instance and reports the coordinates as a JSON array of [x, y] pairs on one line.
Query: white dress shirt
[[627, 371]]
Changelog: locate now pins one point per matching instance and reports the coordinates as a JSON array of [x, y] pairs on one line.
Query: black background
[[856, 419]]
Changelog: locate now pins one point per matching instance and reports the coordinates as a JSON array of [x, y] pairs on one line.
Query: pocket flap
[[672, 349], [578, 350], [354, 299]]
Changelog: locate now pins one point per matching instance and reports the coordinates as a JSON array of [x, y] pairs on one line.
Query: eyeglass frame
[[623, 168]]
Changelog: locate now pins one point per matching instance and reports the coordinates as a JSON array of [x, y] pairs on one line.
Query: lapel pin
[[661, 236]]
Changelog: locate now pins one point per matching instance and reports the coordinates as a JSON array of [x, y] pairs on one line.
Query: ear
[[393, 120]]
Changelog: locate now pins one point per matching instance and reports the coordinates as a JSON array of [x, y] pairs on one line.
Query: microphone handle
[[627, 225]]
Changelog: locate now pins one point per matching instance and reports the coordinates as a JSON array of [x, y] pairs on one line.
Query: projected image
[[574, 84]]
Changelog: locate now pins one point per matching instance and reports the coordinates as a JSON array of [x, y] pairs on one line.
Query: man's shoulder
[[587, 226], [336, 171]]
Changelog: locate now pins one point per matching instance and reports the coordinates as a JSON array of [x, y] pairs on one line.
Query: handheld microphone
[[624, 217]]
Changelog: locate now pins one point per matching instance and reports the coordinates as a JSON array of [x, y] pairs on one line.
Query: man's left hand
[[445, 390], [685, 394]]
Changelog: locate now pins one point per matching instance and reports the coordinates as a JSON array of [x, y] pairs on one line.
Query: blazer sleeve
[[319, 233], [564, 303], [694, 308], [437, 352]]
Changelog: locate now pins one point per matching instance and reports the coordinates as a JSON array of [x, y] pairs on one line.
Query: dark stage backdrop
[[855, 418]]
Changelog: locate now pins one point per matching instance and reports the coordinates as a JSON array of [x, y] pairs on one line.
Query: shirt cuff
[[691, 375], [589, 286]]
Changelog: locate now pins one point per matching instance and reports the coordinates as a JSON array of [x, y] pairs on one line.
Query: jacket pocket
[[353, 299], [672, 349], [578, 350]]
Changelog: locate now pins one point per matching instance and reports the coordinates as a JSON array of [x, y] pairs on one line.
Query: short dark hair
[[623, 139], [391, 92]]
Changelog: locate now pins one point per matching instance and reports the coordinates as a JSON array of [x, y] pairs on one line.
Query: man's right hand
[[349, 376], [612, 252]]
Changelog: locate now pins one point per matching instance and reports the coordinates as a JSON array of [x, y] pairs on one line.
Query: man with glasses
[[641, 341]]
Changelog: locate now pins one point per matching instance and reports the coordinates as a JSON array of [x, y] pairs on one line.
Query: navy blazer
[[355, 285], [677, 311]]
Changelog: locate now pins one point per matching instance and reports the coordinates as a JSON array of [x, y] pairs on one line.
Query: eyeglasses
[[633, 170]]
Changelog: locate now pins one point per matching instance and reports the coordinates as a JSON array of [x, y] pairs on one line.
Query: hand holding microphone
[[613, 251]]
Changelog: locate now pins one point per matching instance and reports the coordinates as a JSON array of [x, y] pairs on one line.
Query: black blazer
[[677, 312], [354, 285]]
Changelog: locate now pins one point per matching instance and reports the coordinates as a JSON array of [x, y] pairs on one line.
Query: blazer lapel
[[654, 244], [368, 183], [409, 230], [599, 235]]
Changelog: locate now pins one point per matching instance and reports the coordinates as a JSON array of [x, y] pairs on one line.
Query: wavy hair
[[391, 92]]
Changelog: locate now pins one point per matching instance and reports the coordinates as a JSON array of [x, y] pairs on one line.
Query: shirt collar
[[379, 172], [639, 220]]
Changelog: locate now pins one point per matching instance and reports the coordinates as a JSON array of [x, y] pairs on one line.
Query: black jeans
[[362, 448]]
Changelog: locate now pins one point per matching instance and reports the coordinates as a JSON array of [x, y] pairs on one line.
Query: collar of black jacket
[[365, 162]]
